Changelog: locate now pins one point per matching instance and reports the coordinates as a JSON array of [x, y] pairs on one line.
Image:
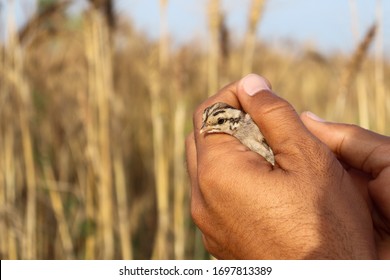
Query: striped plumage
[[223, 118]]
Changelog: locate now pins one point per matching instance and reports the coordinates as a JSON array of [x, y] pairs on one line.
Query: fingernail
[[314, 117], [253, 84]]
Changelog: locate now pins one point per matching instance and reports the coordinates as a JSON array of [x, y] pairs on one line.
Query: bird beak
[[208, 129], [203, 128]]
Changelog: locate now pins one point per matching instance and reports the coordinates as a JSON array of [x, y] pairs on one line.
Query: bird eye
[[221, 121]]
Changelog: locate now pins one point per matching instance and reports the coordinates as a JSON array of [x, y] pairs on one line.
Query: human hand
[[366, 158], [306, 207]]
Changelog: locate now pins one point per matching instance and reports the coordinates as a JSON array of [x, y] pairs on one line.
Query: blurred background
[[96, 98]]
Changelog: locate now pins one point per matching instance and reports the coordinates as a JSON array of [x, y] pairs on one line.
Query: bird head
[[221, 118]]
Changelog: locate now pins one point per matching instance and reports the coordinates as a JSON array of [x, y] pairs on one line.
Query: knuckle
[[274, 106], [315, 154], [321, 159], [277, 106], [352, 129]]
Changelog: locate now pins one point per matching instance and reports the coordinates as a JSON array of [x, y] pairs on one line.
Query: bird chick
[[223, 118]]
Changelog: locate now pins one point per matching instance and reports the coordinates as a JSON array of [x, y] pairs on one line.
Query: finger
[[197, 201], [275, 117], [380, 192], [358, 147]]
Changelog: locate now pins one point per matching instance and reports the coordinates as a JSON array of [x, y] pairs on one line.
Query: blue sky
[[326, 25]]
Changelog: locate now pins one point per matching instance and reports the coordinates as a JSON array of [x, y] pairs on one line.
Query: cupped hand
[[305, 207], [366, 158]]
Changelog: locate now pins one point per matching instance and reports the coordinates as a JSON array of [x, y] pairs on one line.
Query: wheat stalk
[[380, 89], [179, 172], [350, 73], [163, 43], [256, 10], [123, 212], [99, 62], [213, 53], [8, 238], [161, 248], [58, 207], [16, 73]]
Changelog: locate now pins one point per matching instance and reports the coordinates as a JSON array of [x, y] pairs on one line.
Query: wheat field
[[93, 117]]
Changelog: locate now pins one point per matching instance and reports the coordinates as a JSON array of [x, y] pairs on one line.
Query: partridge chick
[[223, 118]]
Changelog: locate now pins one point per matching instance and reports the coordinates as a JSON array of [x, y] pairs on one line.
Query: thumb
[[356, 146], [276, 118]]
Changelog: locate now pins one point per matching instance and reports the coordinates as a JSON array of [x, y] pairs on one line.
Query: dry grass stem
[[100, 91], [255, 13], [353, 67], [59, 212], [15, 69], [381, 99], [213, 52], [123, 210], [161, 169], [179, 172]]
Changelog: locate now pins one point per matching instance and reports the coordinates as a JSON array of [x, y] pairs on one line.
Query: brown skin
[[366, 157], [309, 206]]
